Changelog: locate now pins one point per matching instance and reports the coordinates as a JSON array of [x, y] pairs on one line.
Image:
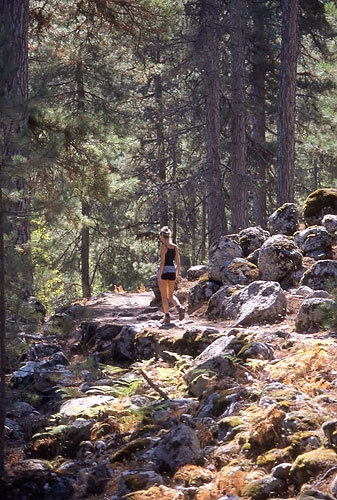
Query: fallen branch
[[154, 386]]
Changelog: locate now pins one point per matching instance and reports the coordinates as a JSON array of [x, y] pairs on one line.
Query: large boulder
[[314, 242], [279, 259], [315, 314], [223, 250], [259, 302], [200, 293], [180, 446], [319, 203], [214, 305], [252, 238], [239, 271], [213, 363], [284, 220], [329, 221], [196, 272], [321, 276]]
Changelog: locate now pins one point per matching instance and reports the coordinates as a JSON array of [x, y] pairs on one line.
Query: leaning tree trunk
[[13, 126], [238, 150], [287, 103]]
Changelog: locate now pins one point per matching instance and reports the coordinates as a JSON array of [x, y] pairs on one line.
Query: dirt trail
[[111, 306]]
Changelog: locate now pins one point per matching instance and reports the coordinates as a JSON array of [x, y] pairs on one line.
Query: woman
[[168, 273]]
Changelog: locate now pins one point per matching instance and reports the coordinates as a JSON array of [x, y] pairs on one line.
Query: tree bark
[[238, 149], [258, 93], [160, 138], [85, 251], [210, 34], [13, 123], [85, 235], [287, 103]]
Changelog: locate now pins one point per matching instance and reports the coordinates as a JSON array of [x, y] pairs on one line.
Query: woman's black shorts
[[168, 276]]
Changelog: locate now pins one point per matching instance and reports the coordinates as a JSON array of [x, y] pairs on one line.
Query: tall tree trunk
[[287, 103], [13, 124], [85, 248], [258, 92], [2, 338], [210, 35], [238, 150], [160, 138], [85, 235]]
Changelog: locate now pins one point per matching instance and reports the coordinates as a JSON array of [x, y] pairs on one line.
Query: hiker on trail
[[168, 274]]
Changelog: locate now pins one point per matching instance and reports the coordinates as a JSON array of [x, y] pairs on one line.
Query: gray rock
[[137, 480], [278, 260], [281, 470], [201, 293], [314, 242], [223, 250], [180, 446], [261, 301], [321, 276], [329, 221], [239, 271], [195, 272], [284, 220], [215, 302], [252, 238], [124, 344], [213, 363], [330, 431], [315, 314]]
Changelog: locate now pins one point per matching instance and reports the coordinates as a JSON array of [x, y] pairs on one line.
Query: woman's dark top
[[168, 272], [169, 257]]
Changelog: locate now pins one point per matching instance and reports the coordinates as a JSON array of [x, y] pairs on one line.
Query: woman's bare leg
[[164, 292]]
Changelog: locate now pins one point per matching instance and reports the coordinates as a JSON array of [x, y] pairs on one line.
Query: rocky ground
[[121, 418]]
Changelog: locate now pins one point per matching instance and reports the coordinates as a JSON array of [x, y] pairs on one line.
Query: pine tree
[[13, 121]]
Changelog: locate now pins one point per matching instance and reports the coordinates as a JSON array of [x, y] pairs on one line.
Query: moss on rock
[[318, 204]]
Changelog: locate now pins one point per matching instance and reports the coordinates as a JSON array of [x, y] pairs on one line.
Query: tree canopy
[[152, 112]]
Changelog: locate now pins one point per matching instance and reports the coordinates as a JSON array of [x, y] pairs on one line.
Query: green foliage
[[117, 121]]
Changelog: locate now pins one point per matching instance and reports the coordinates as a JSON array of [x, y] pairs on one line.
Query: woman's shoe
[[181, 313], [167, 318]]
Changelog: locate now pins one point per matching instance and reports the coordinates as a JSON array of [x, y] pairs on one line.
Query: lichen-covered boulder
[[214, 306], [319, 203], [264, 488], [314, 242], [135, 480], [239, 271], [259, 302], [279, 259], [330, 432], [200, 293], [213, 363], [284, 220], [322, 275], [223, 250], [329, 221], [180, 446], [36, 479], [315, 314], [195, 272], [252, 238], [308, 465], [61, 440]]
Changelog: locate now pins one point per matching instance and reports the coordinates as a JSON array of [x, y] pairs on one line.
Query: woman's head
[[165, 232]]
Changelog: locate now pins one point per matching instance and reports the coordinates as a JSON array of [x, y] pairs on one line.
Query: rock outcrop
[[238, 400]]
